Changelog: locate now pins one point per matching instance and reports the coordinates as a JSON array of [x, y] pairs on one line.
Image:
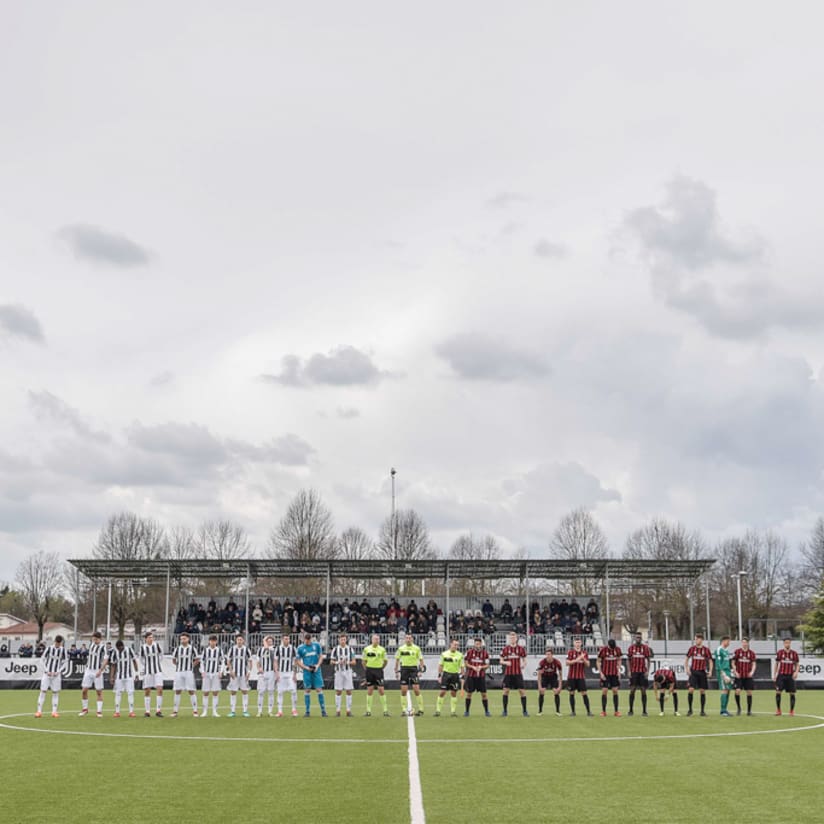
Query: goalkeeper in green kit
[[723, 670]]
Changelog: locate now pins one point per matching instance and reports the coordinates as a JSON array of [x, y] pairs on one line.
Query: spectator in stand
[[487, 609], [575, 610], [25, 650], [592, 611], [257, 613], [506, 610], [41, 648]]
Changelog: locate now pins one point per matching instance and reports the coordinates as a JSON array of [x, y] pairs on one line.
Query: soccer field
[[581, 769]]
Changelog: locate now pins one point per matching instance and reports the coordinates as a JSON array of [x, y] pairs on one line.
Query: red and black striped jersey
[[786, 659], [744, 661], [699, 658]]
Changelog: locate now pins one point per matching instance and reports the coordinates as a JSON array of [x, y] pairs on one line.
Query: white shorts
[[344, 680], [266, 682], [240, 683], [51, 682], [211, 683], [124, 685], [151, 682], [286, 682], [91, 679], [185, 681]]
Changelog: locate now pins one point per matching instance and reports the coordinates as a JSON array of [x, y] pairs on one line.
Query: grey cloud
[[347, 412], [46, 405], [544, 248], [504, 199], [567, 485], [698, 268], [343, 366], [190, 442], [99, 246], [686, 228], [288, 450], [478, 357], [19, 322], [162, 379]]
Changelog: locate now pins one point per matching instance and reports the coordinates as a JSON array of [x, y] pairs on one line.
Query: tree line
[[777, 585]]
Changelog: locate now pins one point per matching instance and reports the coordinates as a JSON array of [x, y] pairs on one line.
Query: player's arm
[[321, 659], [710, 665], [687, 668], [796, 668]]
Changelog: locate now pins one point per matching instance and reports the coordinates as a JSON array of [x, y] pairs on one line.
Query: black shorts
[[450, 681], [374, 677], [785, 683], [577, 684], [476, 683], [747, 684], [409, 676], [513, 682], [549, 682], [610, 682], [639, 679], [698, 681]]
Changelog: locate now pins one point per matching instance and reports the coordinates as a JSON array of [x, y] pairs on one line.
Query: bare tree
[[182, 544], [128, 537], [405, 538], [306, 531], [812, 555], [355, 545], [40, 577], [222, 541], [661, 540], [578, 537], [469, 548]]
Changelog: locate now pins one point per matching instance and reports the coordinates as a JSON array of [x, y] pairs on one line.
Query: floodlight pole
[[328, 598], [94, 605], [709, 629], [166, 638], [666, 632], [76, 601], [248, 579], [109, 614], [394, 527], [737, 577], [607, 624], [527, 611], [447, 582]]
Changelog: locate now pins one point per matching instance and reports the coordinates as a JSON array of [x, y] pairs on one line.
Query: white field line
[[416, 813]]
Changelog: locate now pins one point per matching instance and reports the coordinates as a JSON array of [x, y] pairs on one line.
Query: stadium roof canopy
[[609, 569]]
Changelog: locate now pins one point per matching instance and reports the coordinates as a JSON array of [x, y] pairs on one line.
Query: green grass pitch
[[357, 769]]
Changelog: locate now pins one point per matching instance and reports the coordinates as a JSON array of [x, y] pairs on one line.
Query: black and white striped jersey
[[343, 658], [151, 656], [124, 662], [211, 660], [237, 659], [97, 655], [266, 657], [286, 658], [56, 659], [184, 658]]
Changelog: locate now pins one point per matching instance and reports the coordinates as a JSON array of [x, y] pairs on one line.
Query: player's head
[[184, 639], [745, 643], [479, 642], [149, 638], [285, 639], [577, 643], [58, 640], [268, 641], [118, 646], [659, 678], [408, 639], [213, 640], [512, 638], [611, 643], [787, 643], [699, 639], [96, 637], [376, 639], [343, 639], [725, 640], [240, 640], [307, 636], [453, 644], [549, 653], [639, 639]]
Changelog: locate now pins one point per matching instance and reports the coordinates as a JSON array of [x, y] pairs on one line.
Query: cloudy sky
[[536, 257]]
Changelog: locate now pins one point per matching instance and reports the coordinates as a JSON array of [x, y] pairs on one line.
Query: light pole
[[737, 577], [666, 632], [393, 523]]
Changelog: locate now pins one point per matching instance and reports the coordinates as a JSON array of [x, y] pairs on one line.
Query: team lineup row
[[278, 669]]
